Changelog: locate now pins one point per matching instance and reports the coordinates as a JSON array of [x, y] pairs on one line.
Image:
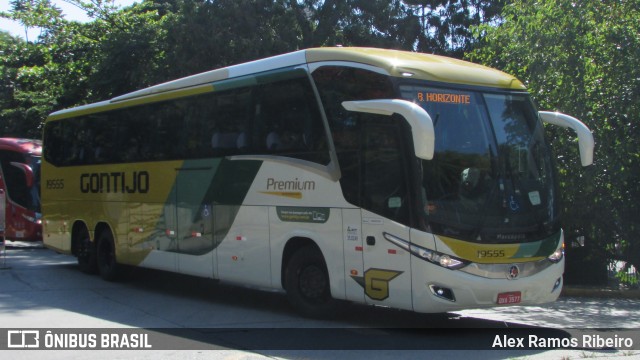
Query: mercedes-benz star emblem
[[513, 272]]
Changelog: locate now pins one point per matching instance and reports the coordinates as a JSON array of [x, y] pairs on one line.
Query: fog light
[[442, 292], [557, 284]]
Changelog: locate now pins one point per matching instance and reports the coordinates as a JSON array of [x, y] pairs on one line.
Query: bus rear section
[[20, 217]]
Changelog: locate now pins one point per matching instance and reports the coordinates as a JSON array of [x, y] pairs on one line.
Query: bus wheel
[[86, 252], [307, 283], [106, 256]]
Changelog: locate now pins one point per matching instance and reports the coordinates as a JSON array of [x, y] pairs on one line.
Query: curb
[[602, 293]]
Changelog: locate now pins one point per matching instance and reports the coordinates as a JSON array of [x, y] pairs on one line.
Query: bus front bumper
[[437, 289]]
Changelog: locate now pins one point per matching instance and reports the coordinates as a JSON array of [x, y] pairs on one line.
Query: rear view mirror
[[585, 138], [28, 173], [419, 120]]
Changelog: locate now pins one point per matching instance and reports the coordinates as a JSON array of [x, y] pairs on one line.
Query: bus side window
[[231, 121], [289, 121], [53, 137], [225, 136], [71, 143]]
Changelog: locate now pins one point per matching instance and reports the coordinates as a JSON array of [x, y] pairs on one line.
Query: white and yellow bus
[[374, 176]]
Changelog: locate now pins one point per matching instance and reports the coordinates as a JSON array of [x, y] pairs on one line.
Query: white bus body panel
[[243, 256], [353, 254]]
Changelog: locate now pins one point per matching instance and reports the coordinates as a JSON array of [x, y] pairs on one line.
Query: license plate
[[509, 298]]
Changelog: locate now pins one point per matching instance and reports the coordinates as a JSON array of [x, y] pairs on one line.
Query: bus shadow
[[197, 313]]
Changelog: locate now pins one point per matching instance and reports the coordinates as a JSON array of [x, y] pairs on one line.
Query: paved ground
[[570, 312], [44, 289]]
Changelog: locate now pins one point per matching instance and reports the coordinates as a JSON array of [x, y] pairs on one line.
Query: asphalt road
[[187, 317]]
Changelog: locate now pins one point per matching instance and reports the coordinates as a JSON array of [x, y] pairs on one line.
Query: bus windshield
[[491, 178], [22, 191], [35, 163]]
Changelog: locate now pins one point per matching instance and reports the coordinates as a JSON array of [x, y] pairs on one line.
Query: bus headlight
[[435, 257], [36, 220], [431, 256], [556, 256], [446, 261]]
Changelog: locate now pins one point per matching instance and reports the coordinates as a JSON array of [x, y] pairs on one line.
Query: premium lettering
[[290, 185], [115, 182]]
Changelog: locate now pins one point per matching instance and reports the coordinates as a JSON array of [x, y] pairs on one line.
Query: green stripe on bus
[[282, 75], [264, 78], [236, 83], [542, 248], [205, 200]]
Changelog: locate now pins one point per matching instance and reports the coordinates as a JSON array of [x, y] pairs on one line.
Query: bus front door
[[387, 271], [385, 202]]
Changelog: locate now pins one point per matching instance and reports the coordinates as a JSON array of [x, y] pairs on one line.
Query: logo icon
[[513, 273], [21, 339], [376, 282]]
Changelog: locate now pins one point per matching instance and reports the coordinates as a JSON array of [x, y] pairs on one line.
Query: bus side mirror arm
[[585, 137], [419, 120]]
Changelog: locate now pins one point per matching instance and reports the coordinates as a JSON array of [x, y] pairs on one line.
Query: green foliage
[[445, 25], [626, 278], [158, 40], [25, 94], [581, 58], [34, 14]]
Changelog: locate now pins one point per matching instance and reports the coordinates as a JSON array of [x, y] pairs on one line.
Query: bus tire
[[106, 256], [307, 283], [85, 251]]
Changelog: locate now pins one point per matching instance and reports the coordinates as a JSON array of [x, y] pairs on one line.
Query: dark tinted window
[[491, 177], [371, 148], [289, 122], [15, 179], [279, 118]]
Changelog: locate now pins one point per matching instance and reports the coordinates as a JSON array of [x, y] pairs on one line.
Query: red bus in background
[[20, 214]]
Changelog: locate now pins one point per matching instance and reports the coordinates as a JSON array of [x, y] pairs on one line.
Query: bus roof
[[394, 62], [28, 146], [419, 66]]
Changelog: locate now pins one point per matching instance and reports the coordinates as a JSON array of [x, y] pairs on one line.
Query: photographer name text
[[586, 341]]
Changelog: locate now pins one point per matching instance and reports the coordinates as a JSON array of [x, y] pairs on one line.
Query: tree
[[203, 35], [445, 25], [34, 14], [26, 94], [581, 58], [354, 23]]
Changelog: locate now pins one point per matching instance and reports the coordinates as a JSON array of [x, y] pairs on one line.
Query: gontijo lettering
[[115, 182]]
